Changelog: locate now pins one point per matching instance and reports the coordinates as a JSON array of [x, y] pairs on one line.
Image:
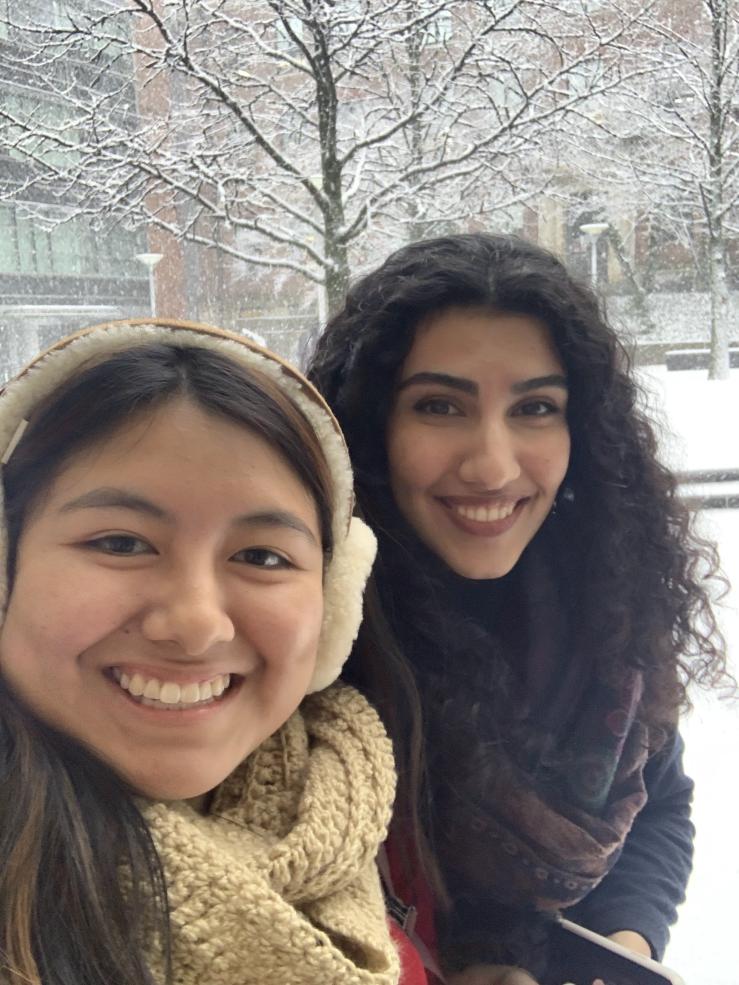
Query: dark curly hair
[[639, 582]]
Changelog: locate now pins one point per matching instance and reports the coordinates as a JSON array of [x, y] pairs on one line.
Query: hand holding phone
[[579, 956]]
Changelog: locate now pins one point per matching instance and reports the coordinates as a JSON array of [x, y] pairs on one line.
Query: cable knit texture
[[277, 884]]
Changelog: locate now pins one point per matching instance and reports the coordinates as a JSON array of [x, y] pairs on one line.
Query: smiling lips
[[487, 519], [170, 695]]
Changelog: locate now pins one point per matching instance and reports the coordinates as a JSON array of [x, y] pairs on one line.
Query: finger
[[515, 977]]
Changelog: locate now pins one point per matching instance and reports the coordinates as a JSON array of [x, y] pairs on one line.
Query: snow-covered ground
[[679, 316], [705, 942], [704, 949]]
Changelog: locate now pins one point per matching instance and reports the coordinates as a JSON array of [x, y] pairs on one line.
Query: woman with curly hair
[[545, 603]]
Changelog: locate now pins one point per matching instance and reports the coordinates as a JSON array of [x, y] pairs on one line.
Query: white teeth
[[485, 514], [169, 694], [152, 689], [136, 685], [189, 694]]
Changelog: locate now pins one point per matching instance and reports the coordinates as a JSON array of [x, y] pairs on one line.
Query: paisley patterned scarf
[[535, 765]]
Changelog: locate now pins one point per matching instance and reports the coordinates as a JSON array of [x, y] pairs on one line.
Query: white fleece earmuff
[[354, 543]]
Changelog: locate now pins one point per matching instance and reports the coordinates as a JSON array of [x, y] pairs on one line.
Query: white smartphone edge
[[649, 963]]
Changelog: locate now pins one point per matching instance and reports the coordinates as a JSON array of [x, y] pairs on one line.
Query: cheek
[[399, 449], [285, 631], [73, 615], [39, 650], [417, 458], [559, 459], [547, 460]]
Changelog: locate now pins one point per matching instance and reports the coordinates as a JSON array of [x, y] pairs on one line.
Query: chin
[[482, 574], [175, 787], [482, 570]]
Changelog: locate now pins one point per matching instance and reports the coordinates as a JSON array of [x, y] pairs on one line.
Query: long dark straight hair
[[83, 896]]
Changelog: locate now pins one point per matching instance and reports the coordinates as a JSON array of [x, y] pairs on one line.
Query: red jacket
[[420, 939], [412, 971]]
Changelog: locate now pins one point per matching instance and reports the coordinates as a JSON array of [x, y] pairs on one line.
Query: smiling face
[[477, 438], [168, 600]]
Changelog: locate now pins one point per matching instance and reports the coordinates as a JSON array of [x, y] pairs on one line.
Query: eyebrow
[[469, 386], [536, 382], [441, 379], [276, 518], [111, 497], [108, 497]]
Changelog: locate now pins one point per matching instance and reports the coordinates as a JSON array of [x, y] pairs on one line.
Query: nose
[[190, 612], [490, 461]]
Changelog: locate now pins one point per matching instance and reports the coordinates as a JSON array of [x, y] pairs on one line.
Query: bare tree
[[293, 133], [671, 148]]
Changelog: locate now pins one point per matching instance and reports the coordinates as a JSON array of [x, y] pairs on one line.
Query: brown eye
[[438, 407], [536, 408], [122, 545], [262, 557]]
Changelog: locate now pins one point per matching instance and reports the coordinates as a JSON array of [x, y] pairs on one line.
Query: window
[[42, 246]]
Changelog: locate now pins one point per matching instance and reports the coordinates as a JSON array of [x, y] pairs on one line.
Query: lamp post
[[150, 260], [593, 230]]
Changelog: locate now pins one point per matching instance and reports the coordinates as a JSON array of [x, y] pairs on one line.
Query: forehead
[[474, 340], [183, 448]]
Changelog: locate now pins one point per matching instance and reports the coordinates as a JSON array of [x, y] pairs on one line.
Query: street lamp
[[150, 260], [593, 230]]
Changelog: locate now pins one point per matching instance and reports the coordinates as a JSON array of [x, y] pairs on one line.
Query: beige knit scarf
[[277, 884]]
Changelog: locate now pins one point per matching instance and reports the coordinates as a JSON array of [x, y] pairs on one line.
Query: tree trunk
[[714, 198], [413, 42], [337, 274], [719, 291], [335, 249]]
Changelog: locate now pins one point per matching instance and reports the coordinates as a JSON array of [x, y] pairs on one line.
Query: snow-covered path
[[705, 943]]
